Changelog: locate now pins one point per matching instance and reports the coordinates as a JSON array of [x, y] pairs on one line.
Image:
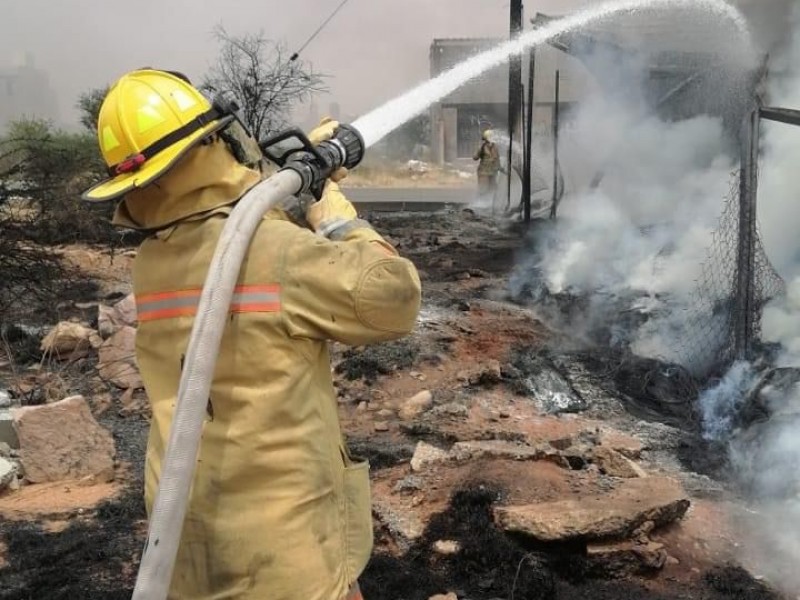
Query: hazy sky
[[373, 49]]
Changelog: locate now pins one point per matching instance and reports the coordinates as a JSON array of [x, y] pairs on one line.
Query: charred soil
[[454, 423]]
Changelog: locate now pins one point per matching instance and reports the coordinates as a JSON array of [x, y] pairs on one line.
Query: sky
[[372, 50]]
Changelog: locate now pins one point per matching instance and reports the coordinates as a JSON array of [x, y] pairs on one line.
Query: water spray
[[304, 169], [375, 125]]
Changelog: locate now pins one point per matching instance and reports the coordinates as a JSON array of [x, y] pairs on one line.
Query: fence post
[[556, 107], [745, 309]]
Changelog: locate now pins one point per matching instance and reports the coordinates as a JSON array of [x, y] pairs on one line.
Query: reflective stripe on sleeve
[[184, 303]]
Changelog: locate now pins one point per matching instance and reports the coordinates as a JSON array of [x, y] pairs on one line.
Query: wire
[[296, 55]]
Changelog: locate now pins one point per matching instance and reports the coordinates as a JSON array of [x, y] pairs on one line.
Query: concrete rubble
[[62, 441]]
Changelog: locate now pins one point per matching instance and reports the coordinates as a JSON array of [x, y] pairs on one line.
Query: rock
[[412, 483], [446, 547], [616, 514], [381, 426], [117, 360], [133, 402], [498, 449], [362, 406], [426, 455], [69, 341], [561, 443], [5, 450], [613, 464], [5, 399], [110, 319], [449, 596], [405, 528], [488, 374], [62, 441], [451, 409], [8, 472], [7, 433], [624, 559], [416, 405], [385, 413], [627, 445]]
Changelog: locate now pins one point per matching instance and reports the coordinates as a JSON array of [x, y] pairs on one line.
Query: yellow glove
[[332, 212], [323, 132]]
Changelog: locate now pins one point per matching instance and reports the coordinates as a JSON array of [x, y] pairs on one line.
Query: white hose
[[169, 508]]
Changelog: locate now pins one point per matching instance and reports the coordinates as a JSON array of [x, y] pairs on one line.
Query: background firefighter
[[279, 509], [488, 156]]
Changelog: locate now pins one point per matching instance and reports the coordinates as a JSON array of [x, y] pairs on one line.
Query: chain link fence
[[708, 341]]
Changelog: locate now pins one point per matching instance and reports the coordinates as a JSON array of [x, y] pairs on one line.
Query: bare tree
[[265, 81], [89, 104]]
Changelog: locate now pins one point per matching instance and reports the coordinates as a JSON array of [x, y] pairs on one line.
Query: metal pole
[[554, 207], [744, 295], [526, 175], [514, 89]]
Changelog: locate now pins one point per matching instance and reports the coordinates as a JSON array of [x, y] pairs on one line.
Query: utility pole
[[514, 88]]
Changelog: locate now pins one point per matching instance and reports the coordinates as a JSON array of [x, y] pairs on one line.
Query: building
[[687, 67], [25, 92], [458, 120]]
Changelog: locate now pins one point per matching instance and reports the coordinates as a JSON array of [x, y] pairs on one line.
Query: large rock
[[110, 319], [117, 360], [69, 340], [614, 515], [62, 441]]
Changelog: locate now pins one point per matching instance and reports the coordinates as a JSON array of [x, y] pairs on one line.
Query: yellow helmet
[[487, 134], [149, 119]]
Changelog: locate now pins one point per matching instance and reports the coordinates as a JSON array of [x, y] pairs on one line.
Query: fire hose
[[304, 170]]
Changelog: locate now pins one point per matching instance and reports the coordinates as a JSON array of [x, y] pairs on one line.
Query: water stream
[[388, 117]]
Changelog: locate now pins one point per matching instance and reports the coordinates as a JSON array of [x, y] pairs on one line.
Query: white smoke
[[721, 404], [767, 455], [639, 238]]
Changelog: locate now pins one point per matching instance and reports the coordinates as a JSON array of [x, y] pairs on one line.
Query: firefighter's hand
[[323, 132], [331, 212]]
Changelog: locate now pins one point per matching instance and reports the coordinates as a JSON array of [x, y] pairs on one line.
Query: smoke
[[636, 242], [766, 456], [720, 406]]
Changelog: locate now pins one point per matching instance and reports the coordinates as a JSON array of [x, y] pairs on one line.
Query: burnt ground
[[88, 547]]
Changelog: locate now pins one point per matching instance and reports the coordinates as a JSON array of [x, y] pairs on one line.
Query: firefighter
[[279, 509], [489, 166]]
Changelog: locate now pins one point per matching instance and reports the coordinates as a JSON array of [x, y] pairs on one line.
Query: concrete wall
[[486, 98]]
